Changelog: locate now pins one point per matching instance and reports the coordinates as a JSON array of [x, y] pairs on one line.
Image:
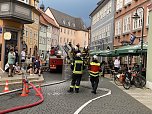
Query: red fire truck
[[56, 62]]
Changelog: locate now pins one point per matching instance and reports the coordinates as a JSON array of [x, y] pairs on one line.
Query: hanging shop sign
[[7, 35]]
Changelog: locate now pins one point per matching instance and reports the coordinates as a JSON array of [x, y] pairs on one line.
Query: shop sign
[[7, 35]]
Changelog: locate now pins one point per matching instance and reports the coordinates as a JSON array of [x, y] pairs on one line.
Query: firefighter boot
[[94, 92], [77, 90], [70, 90]]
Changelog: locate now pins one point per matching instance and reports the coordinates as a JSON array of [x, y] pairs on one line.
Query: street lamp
[[136, 16]]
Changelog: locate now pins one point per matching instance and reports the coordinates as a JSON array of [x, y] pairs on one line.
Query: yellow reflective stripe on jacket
[[95, 75], [78, 72], [77, 86], [94, 72], [71, 86], [78, 61], [93, 63]]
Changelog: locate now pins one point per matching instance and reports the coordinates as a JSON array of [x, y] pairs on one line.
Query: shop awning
[[131, 49], [107, 53], [104, 53]]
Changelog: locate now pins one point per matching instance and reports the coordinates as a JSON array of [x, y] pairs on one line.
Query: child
[[18, 69], [30, 69], [37, 65]]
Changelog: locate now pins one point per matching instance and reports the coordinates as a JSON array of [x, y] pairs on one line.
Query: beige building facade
[[31, 31], [71, 29]]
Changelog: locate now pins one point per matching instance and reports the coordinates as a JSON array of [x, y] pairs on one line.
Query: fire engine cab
[[56, 62]]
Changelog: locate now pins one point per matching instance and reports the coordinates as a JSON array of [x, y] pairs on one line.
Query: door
[[10, 43]]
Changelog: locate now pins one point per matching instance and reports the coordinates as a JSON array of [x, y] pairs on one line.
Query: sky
[[76, 8]]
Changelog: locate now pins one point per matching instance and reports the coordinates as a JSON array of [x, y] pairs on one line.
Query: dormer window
[[69, 23], [73, 24], [84, 26], [64, 22]]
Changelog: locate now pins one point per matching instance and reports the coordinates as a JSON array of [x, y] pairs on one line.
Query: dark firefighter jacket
[[77, 66], [94, 68]]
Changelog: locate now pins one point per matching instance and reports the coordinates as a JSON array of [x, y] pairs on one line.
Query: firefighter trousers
[[76, 78], [94, 82]]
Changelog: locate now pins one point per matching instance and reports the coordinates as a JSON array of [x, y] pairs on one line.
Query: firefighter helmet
[[59, 52], [78, 54], [95, 57]]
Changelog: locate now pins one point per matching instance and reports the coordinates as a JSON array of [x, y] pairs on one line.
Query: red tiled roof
[[47, 19], [43, 21]]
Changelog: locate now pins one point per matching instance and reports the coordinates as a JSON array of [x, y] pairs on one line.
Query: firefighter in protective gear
[[77, 67], [94, 71]]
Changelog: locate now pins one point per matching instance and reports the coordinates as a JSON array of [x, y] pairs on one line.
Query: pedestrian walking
[[94, 71], [77, 67], [11, 61]]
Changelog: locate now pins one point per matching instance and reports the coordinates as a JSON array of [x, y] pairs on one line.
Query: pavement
[[15, 82], [58, 101], [143, 95]]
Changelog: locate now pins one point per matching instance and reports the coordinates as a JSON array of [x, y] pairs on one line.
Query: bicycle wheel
[[137, 82], [143, 81], [127, 83], [117, 81]]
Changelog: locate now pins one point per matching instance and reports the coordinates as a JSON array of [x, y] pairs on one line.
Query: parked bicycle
[[119, 78], [134, 78]]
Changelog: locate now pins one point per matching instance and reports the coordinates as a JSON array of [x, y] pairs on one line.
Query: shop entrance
[[10, 43]]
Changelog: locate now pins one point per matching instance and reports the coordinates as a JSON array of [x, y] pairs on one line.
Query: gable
[[49, 13]]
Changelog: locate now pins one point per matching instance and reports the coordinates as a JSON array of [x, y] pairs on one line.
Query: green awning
[[94, 53], [107, 53], [131, 49]]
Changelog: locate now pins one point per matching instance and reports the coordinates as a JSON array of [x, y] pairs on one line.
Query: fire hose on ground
[[25, 106]]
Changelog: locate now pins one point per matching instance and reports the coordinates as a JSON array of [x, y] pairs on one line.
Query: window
[[126, 2], [36, 19], [61, 29], [147, 23], [118, 27], [73, 24], [126, 23], [64, 22], [109, 26], [119, 5], [109, 7], [64, 40], [137, 23], [65, 31], [68, 31], [69, 23], [30, 33], [60, 39]]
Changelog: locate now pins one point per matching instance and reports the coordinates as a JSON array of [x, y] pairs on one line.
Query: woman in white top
[[116, 64]]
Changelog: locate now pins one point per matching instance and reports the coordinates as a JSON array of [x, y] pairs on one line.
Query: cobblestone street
[[59, 101]]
